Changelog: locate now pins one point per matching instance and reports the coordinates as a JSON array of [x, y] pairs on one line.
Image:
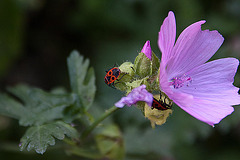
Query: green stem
[[99, 120]]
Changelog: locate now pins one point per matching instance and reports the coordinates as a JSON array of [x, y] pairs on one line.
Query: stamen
[[178, 82]]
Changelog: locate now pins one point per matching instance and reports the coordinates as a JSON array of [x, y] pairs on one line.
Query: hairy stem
[[99, 120]]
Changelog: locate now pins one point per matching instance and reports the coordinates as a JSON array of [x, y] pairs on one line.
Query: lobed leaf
[[40, 137], [36, 106], [40, 110], [10, 107], [82, 79]]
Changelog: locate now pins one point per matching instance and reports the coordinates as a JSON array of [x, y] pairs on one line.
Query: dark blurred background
[[36, 37]]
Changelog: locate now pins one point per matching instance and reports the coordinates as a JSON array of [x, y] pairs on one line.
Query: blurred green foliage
[[37, 36], [11, 32]]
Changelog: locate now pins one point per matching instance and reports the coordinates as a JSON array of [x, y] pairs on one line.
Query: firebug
[[111, 76], [160, 104]]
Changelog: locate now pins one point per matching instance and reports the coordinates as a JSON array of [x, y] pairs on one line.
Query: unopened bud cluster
[[143, 75], [143, 71]]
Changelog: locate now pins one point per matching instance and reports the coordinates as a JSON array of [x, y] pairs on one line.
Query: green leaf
[[39, 137], [82, 79], [10, 107], [37, 106]]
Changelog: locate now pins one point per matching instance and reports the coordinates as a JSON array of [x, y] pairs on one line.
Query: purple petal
[[147, 50], [205, 91], [167, 36], [137, 94], [212, 91], [193, 48], [213, 81], [207, 111]]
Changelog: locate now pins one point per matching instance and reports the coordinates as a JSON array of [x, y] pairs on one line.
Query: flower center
[[178, 82]]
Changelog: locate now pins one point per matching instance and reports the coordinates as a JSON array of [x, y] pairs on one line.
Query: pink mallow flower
[[204, 90], [137, 94], [147, 50]]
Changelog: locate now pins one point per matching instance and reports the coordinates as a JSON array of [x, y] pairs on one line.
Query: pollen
[[178, 82]]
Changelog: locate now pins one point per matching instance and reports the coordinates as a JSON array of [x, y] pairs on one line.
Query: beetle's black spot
[[160, 105], [110, 73]]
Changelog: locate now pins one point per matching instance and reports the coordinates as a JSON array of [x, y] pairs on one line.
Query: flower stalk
[[99, 120]]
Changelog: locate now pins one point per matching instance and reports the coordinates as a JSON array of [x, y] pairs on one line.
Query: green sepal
[[127, 67], [127, 75], [155, 64], [134, 84], [144, 67]]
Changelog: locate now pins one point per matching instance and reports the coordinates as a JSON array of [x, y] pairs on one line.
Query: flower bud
[[146, 63], [147, 50]]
